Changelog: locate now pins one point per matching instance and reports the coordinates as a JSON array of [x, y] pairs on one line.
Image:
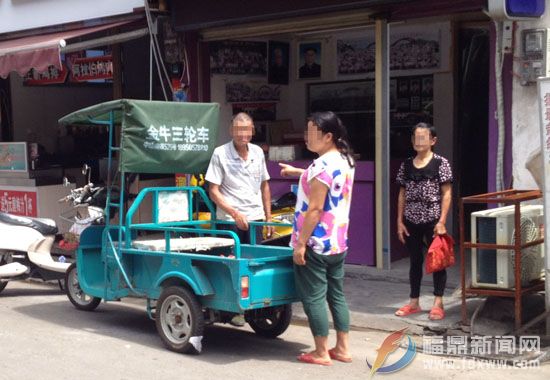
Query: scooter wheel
[[179, 320], [76, 295]]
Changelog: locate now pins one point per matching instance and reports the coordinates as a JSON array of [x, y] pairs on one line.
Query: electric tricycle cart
[[190, 272]]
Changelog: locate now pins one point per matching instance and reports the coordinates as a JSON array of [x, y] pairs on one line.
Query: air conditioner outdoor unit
[[494, 268]]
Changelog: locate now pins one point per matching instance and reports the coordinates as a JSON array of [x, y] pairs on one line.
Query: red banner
[[51, 76], [18, 202], [85, 69]]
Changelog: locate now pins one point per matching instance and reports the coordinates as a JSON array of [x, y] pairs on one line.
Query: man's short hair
[[243, 117]]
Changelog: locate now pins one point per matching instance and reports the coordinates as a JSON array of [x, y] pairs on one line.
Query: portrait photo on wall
[[309, 60], [278, 58]]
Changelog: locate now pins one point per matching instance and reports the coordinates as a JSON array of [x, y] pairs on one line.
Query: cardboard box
[[276, 130]]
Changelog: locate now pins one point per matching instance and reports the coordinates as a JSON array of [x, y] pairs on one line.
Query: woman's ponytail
[[343, 147], [329, 122]]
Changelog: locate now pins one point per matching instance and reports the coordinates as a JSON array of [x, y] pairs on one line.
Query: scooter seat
[[44, 226], [12, 270]]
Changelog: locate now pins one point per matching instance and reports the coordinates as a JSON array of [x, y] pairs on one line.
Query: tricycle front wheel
[[270, 322], [179, 320], [76, 295]]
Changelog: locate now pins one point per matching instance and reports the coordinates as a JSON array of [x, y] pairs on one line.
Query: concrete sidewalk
[[373, 296]]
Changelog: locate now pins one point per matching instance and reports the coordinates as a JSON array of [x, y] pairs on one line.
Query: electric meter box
[[534, 55]]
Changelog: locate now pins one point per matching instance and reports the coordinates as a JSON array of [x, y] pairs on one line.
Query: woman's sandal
[[310, 359], [407, 310], [334, 356], [436, 314]]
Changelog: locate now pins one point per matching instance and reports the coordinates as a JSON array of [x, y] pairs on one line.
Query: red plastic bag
[[440, 254]]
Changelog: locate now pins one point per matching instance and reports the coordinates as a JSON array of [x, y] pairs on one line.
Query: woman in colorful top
[[423, 203], [320, 234]]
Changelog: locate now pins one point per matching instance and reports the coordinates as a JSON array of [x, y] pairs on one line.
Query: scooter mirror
[[66, 182], [86, 170]]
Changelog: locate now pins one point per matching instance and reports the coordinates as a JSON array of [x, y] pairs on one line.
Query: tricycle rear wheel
[[179, 320], [76, 295], [270, 322]]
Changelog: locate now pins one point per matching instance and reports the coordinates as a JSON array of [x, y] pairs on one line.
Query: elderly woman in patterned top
[[423, 204], [320, 235]]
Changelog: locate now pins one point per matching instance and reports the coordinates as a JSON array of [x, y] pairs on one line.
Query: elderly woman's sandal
[[436, 314], [407, 310]]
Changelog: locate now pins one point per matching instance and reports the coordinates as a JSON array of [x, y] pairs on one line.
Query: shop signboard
[[50, 76], [21, 203], [91, 68], [13, 157]]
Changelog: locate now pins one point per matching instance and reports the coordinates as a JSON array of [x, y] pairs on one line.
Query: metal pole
[[517, 263], [543, 87], [150, 68], [382, 145], [462, 262]]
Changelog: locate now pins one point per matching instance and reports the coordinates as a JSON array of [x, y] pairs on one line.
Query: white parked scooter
[[26, 243], [25, 249]]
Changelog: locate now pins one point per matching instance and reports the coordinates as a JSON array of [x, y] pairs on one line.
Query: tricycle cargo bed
[[268, 271], [211, 270]]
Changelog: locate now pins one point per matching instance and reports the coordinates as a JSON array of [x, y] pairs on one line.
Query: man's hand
[[269, 231], [299, 255], [402, 232], [240, 220]]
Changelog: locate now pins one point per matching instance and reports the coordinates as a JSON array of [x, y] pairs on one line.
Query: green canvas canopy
[[157, 137]]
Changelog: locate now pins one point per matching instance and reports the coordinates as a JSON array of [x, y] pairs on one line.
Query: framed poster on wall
[[13, 157], [238, 57], [414, 50], [346, 96]]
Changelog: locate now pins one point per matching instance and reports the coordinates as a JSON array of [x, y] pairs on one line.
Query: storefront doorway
[[5, 111], [472, 134]]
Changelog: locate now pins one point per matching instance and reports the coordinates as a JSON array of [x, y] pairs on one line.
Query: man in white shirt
[[238, 180]]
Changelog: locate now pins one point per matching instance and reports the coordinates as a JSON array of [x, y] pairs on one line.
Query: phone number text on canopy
[[176, 147]]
